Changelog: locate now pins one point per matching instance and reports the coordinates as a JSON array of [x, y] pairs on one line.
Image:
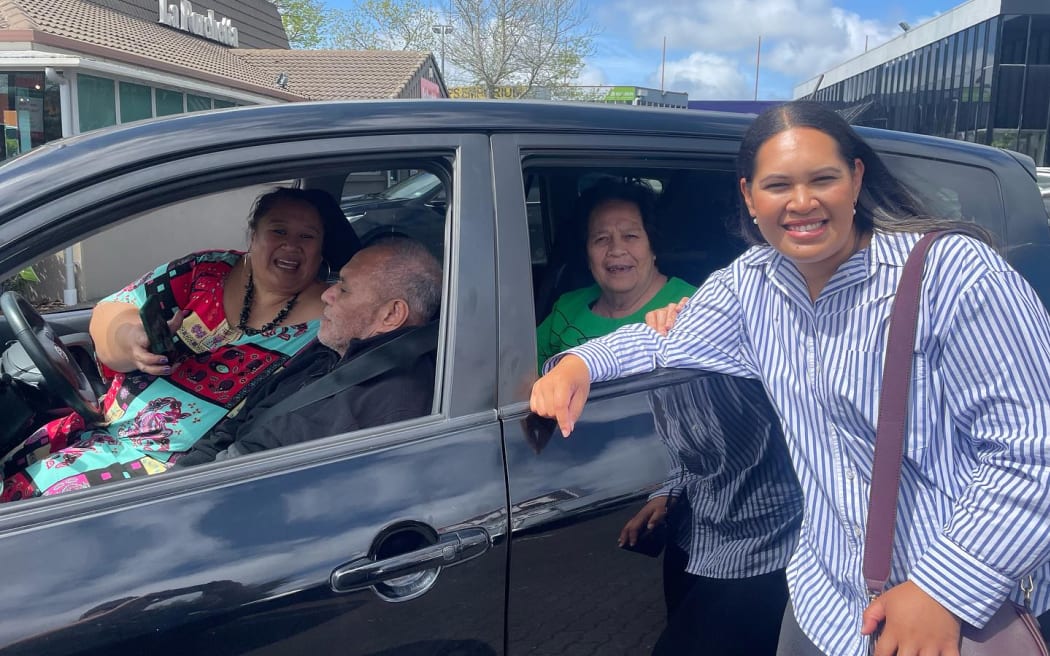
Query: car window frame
[[464, 337], [517, 325]]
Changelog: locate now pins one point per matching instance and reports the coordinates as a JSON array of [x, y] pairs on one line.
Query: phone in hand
[[650, 542], [153, 320]]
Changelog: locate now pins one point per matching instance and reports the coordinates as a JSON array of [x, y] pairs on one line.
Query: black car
[[414, 206], [469, 531]]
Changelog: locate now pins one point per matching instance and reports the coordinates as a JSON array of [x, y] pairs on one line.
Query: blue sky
[[711, 44]]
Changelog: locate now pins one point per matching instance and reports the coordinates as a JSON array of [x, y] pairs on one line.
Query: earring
[[327, 269], [754, 219], [854, 210]]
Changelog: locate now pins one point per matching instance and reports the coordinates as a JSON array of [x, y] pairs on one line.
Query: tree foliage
[[306, 22], [494, 45], [386, 25], [522, 44]]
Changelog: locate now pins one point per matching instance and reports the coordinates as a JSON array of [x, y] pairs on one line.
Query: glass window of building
[[29, 112], [168, 102], [1015, 39], [96, 102], [136, 102], [1039, 41], [197, 103]]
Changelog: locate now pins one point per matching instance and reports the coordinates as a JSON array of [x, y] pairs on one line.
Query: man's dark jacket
[[400, 393]]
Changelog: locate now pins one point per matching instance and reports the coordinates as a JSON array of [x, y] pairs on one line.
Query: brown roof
[[83, 26], [340, 74]]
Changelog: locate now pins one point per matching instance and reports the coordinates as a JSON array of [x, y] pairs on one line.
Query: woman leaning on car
[[805, 312], [723, 565]]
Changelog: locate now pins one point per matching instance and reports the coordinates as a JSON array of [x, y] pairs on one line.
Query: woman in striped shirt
[[805, 311]]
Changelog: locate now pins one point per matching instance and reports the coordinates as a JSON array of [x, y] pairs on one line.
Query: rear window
[[952, 190]]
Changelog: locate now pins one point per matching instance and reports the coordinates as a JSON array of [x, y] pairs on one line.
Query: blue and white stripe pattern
[[729, 457], [974, 512]]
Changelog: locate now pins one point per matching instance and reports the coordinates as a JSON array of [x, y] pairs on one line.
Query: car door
[[389, 541], [571, 589]]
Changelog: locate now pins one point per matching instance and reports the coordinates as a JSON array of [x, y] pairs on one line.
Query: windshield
[[418, 185]]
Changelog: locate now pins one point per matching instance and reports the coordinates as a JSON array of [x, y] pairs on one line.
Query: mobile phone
[[650, 542], [152, 315]]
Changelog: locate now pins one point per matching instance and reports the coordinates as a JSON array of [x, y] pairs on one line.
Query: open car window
[[190, 244]]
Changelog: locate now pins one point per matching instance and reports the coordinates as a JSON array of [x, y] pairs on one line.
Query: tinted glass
[[168, 102], [954, 191], [96, 101], [136, 102]]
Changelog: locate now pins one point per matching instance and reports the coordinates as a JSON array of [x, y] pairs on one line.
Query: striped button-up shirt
[[742, 502], [974, 505]]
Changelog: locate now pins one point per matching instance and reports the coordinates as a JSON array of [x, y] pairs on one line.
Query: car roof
[[73, 162]]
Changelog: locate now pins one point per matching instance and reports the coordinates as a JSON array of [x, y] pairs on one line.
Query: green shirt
[[572, 322]]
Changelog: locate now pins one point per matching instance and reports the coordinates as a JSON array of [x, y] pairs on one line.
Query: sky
[[712, 44]]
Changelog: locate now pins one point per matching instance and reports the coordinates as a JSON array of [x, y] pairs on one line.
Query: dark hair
[[884, 204], [411, 272], [339, 242], [609, 190]]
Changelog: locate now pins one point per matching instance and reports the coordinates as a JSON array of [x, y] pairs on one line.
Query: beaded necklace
[[246, 310]]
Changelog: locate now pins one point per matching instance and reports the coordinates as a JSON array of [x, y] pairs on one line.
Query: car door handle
[[451, 549]]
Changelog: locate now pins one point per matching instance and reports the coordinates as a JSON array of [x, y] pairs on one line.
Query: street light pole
[[442, 30]]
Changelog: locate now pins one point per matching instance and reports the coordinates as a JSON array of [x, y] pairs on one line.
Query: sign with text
[[428, 89], [182, 17]]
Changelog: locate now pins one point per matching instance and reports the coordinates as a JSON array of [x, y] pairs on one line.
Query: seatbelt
[[399, 352]]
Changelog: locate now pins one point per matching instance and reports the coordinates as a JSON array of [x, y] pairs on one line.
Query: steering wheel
[[64, 377]]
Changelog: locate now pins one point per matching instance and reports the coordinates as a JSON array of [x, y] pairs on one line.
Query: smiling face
[[286, 247], [618, 250], [803, 194]]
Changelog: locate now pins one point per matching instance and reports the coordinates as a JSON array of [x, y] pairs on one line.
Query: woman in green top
[[621, 259]]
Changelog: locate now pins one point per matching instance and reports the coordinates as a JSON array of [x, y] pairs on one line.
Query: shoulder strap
[[893, 419], [400, 351]]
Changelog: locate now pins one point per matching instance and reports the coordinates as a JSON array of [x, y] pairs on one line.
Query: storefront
[[77, 65]]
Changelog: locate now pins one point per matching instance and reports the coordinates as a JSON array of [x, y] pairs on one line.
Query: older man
[[383, 292]]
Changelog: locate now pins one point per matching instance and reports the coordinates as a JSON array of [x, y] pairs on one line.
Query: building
[[980, 72], [646, 97], [69, 66]]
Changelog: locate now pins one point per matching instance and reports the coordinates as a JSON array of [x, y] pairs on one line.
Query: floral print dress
[[150, 420]]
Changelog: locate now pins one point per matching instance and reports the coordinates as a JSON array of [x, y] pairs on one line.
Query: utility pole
[[663, 65], [758, 58]]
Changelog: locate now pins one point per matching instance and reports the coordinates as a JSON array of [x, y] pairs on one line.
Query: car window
[[211, 231], [952, 190], [375, 203], [691, 236], [420, 184], [211, 221]]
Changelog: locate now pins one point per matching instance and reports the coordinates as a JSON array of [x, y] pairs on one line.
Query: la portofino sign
[[182, 17]]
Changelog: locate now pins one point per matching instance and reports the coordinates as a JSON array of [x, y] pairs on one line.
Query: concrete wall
[[112, 259]]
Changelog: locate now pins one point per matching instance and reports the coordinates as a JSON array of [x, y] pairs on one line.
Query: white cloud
[[592, 75], [707, 76], [800, 38]]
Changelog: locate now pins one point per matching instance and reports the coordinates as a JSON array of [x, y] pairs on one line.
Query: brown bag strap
[[893, 419]]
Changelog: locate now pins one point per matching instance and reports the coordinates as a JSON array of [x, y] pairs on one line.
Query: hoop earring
[[326, 276]]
